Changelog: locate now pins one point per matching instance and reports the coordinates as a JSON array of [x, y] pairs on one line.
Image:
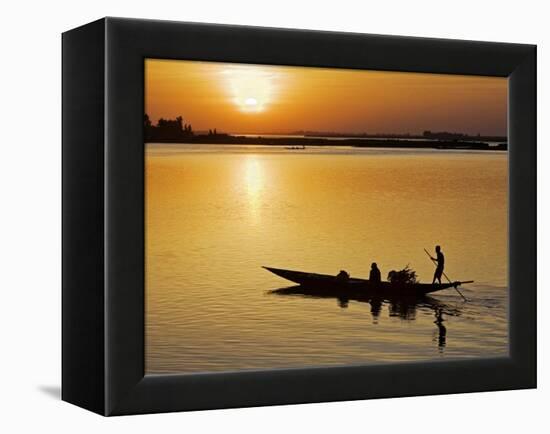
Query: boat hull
[[325, 285]]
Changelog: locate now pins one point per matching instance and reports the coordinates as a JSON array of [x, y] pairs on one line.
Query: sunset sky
[[239, 98]]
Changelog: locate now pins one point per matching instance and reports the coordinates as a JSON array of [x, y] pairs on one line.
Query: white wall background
[[30, 204]]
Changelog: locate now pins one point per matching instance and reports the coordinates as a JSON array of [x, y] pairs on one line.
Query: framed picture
[[257, 216]]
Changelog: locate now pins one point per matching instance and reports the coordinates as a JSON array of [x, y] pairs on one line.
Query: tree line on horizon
[[176, 130], [445, 135], [169, 129]]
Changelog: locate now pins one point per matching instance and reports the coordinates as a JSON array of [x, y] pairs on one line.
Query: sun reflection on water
[[254, 181]]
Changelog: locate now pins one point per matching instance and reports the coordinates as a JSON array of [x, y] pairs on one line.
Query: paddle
[[446, 277]]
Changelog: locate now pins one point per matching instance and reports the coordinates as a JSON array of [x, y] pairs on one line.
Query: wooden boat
[[325, 285]]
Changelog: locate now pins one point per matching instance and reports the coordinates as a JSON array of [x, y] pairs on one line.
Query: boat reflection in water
[[442, 330], [403, 307]]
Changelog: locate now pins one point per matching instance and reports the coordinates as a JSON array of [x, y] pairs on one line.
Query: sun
[[251, 88], [250, 104]]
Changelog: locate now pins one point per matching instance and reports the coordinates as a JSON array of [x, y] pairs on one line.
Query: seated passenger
[[374, 276]]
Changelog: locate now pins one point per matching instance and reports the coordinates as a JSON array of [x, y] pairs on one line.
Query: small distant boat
[[325, 285], [295, 148]]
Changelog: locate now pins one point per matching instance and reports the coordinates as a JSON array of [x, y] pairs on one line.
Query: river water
[[216, 214]]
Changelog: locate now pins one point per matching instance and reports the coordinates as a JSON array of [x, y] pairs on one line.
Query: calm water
[[216, 214]]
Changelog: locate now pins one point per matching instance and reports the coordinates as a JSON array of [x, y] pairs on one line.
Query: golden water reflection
[[214, 216], [254, 179]]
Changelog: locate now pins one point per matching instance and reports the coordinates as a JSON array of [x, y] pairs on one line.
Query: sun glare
[[251, 88], [254, 181], [253, 176]]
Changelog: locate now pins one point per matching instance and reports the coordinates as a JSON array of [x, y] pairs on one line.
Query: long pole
[[446, 277]]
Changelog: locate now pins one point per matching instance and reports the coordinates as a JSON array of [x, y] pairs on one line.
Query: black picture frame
[[103, 215]]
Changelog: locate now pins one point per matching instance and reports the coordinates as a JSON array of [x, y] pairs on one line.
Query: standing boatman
[[440, 264]]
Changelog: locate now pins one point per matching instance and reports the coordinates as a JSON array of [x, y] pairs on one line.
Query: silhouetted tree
[[146, 120], [169, 130], [147, 128]]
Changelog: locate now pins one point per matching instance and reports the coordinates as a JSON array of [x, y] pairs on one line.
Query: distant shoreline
[[226, 139]]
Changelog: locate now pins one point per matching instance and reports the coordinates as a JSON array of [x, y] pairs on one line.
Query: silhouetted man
[[440, 264], [374, 276]]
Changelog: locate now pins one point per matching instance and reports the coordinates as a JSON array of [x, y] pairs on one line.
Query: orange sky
[[242, 98]]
